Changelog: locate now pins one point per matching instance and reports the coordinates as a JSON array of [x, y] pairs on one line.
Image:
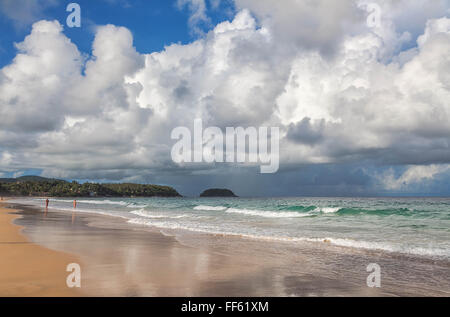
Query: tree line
[[60, 188]]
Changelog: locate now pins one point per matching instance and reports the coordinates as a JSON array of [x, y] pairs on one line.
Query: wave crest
[[327, 210], [210, 208], [146, 214], [266, 214]]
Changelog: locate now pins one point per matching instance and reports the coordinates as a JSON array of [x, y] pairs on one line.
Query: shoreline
[[144, 261], [28, 269], [348, 245]]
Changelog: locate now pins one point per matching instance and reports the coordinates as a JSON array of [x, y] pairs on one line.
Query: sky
[[360, 90]]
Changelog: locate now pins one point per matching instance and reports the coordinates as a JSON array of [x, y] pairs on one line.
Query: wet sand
[[120, 259], [27, 269]]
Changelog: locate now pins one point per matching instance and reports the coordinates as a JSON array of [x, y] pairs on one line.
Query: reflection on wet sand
[[122, 260]]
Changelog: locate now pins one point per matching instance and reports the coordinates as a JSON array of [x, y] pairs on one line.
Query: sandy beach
[[27, 269], [119, 259]]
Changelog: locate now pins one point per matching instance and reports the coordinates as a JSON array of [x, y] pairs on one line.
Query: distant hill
[[217, 192], [41, 186]]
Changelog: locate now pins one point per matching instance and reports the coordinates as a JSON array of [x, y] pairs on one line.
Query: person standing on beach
[[74, 204], [46, 203]]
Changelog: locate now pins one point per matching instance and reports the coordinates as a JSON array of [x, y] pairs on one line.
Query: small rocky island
[[217, 192]]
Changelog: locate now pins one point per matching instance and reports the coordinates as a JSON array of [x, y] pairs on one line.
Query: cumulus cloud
[[383, 111], [413, 175], [33, 87], [341, 92], [311, 25]]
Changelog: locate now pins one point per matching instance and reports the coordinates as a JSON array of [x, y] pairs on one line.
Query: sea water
[[418, 226]]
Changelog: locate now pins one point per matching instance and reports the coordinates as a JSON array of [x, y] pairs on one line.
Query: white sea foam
[[223, 224], [349, 243], [134, 205], [89, 211], [439, 252], [267, 214], [177, 226], [147, 214], [327, 210], [283, 214], [210, 208]]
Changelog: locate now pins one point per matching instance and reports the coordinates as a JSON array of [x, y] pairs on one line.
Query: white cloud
[[33, 87], [307, 25], [373, 107], [198, 14], [434, 27], [413, 175], [341, 92], [6, 158]]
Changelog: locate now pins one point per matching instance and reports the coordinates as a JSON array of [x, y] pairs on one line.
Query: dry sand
[[27, 269]]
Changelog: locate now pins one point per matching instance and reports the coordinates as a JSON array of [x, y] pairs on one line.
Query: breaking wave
[[147, 214], [210, 208], [267, 214]]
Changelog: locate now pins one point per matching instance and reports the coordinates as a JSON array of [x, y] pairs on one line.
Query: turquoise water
[[419, 226]]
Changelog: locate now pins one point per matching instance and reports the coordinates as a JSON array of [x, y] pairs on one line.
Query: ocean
[[415, 226]]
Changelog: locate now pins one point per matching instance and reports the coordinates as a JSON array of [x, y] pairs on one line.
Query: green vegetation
[[39, 186], [216, 192]]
